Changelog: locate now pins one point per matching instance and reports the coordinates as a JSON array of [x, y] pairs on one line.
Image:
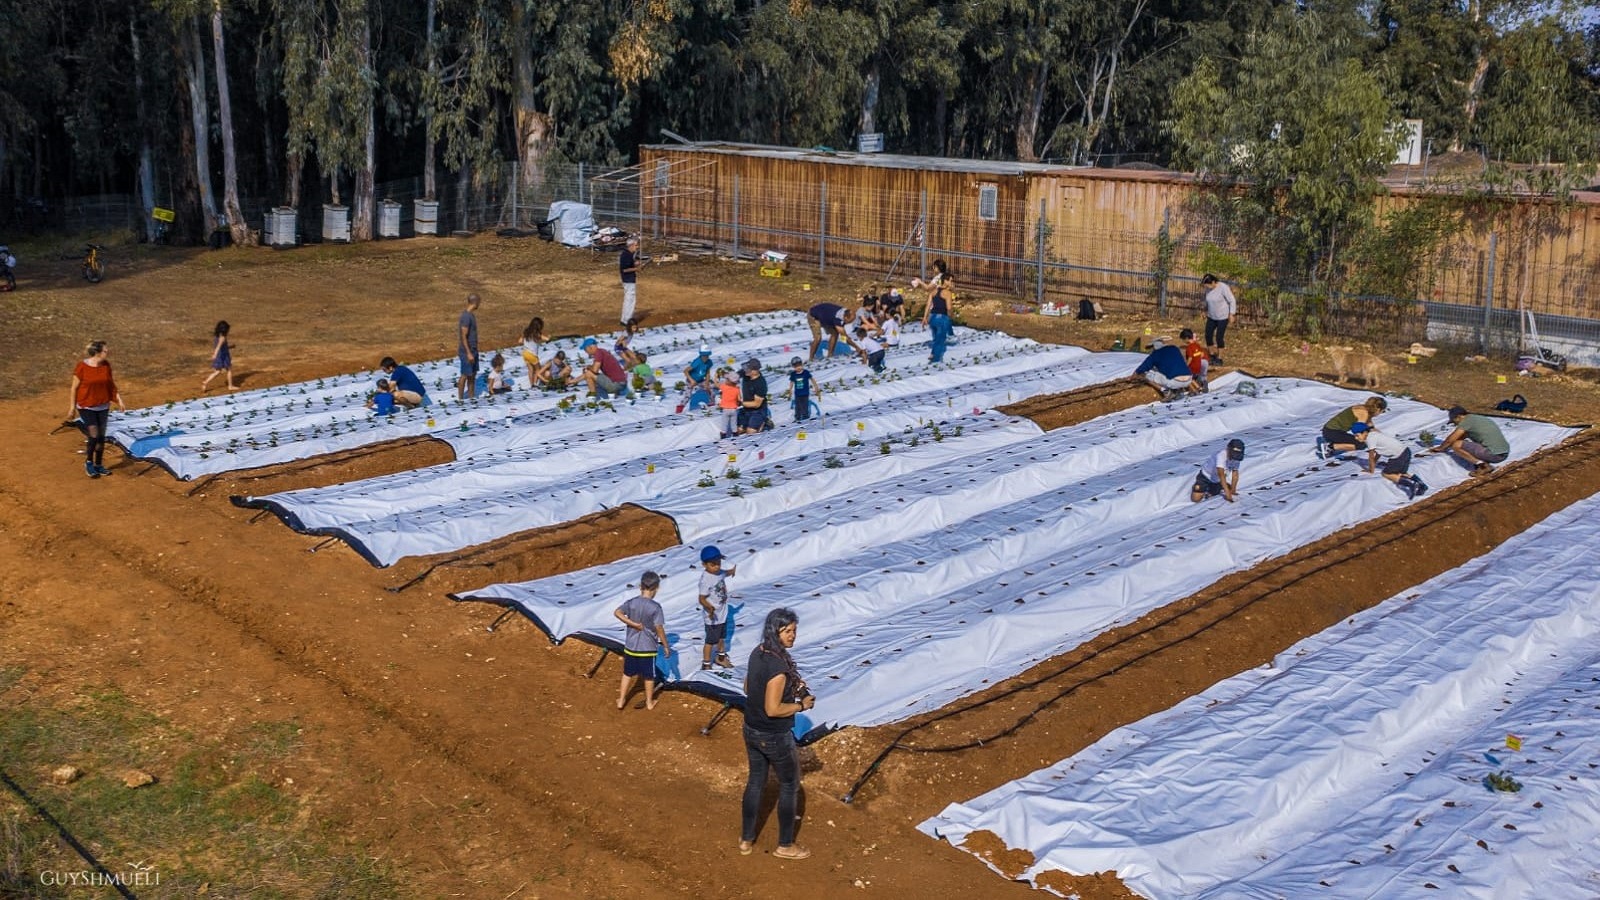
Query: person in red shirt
[[93, 391], [1195, 355], [604, 374]]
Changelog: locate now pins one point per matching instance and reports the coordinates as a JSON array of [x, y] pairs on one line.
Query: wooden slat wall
[[1103, 222], [780, 208]]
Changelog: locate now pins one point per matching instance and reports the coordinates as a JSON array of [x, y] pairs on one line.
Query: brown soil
[[486, 765]]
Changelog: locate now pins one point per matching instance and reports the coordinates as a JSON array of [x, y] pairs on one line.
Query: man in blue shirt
[[830, 318], [408, 389], [628, 264], [1168, 372]]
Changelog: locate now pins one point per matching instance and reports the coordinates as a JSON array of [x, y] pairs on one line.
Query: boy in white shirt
[[1222, 478], [870, 348], [714, 602], [1397, 457]]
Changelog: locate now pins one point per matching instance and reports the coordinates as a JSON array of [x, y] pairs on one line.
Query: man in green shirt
[[1476, 441]]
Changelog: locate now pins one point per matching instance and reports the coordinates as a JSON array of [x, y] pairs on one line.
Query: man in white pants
[[628, 263]]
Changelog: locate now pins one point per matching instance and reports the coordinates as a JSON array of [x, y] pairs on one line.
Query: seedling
[[762, 482], [731, 474], [833, 462]]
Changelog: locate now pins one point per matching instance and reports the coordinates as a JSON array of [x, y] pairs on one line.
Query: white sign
[[1411, 151], [870, 143]]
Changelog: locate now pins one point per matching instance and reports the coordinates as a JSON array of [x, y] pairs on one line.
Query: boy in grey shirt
[[646, 635]]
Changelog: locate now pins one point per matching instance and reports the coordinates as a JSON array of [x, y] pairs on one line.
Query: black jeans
[[777, 752], [1217, 328], [94, 432]]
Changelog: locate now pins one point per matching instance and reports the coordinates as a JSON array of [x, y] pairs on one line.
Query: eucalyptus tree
[[1296, 135]]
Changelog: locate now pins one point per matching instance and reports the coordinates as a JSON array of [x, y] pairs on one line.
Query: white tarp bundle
[[553, 473], [1355, 765], [917, 588], [572, 223], [288, 422]]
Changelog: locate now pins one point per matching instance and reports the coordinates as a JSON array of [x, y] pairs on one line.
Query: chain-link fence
[[1489, 296]]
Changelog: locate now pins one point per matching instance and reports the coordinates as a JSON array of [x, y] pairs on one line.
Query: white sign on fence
[[870, 143]]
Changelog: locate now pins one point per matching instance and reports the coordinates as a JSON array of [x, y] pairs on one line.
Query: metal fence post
[[822, 232], [1163, 238], [735, 216], [1488, 293], [1039, 288], [580, 181], [922, 238]]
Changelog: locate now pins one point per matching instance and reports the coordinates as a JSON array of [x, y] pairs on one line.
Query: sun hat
[[710, 553], [705, 350], [587, 343]]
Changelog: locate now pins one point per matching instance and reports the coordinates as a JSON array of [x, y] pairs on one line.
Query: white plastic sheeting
[[553, 475], [281, 424], [917, 588], [1354, 766]]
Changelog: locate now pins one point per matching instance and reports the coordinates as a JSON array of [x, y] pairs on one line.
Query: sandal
[[705, 667], [747, 847], [723, 661]]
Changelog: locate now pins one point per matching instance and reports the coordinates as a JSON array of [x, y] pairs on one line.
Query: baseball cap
[[753, 363], [587, 343], [1457, 412], [1360, 428], [710, 553], [796, 361], [705, 350], [1236, 449]]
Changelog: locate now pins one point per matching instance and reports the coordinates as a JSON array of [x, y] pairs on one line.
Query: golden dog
[[1348, 361]]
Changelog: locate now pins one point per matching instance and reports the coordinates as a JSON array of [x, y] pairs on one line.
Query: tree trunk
[[533, 125], [1027, 133], [296, 164], [941, 109], [237, 226], [1480, 69], [429, 152], [869, 101], [147, 175], [364, 202], [200, 116], [463, 196]]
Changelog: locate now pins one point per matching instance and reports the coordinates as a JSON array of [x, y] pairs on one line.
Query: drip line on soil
[[1590, 445]]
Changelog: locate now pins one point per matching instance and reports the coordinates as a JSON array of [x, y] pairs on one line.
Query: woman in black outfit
[[774, 693]]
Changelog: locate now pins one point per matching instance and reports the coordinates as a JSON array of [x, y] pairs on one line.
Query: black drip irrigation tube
[[66, 835], [1448, 510]]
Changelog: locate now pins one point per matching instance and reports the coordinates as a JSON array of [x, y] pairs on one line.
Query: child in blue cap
[[714, 602]]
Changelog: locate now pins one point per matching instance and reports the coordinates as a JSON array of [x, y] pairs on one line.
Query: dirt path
[[482, 764]]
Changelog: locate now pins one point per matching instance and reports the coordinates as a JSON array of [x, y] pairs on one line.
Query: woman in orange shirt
[[93, 391]]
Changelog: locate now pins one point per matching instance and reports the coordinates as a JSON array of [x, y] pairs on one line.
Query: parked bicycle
[[94, 268], [8, 264]]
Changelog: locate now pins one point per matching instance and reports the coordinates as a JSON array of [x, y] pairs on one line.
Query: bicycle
[[94, 268], [8, 280]]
